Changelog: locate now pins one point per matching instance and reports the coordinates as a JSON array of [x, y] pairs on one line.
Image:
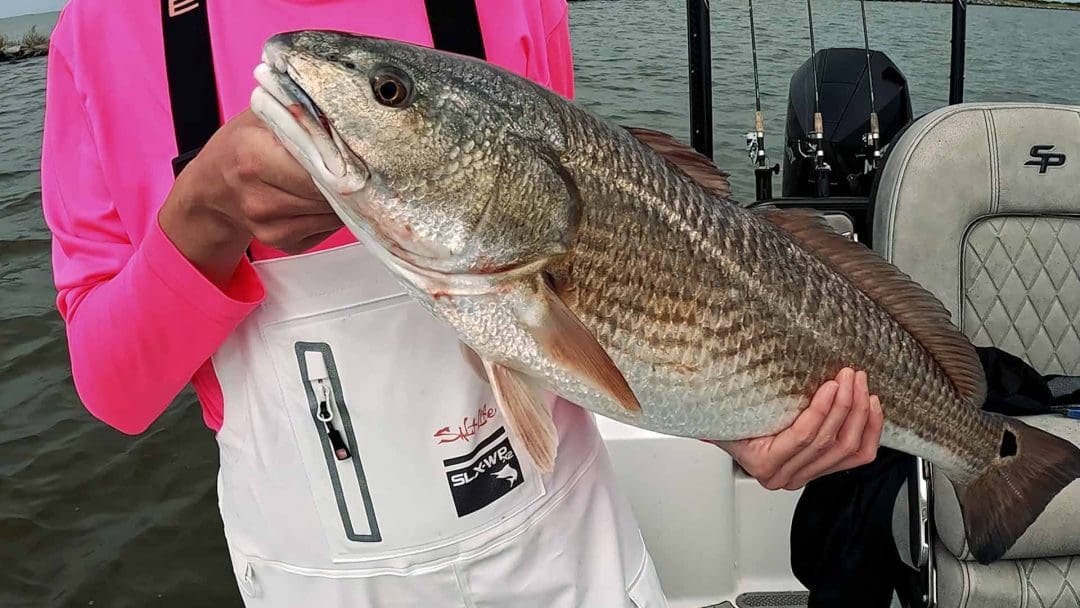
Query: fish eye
[[391, 88]]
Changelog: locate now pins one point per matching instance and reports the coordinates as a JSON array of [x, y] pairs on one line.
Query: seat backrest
[[980, 203]]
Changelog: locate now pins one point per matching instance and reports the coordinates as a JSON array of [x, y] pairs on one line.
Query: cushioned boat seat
[[980, 203]]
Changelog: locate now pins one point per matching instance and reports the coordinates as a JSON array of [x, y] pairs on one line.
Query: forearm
[[136, 339]]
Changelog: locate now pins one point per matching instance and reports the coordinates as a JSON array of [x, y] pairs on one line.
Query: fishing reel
[[871, 156], [755, 149], [872, 146], [821, 166]]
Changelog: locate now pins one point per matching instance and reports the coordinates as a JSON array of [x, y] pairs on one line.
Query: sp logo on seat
[[1044, 158]]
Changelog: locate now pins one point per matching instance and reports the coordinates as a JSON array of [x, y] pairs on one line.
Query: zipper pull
[[341, 451]]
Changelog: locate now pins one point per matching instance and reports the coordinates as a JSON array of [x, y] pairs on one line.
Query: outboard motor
[[845, 110]]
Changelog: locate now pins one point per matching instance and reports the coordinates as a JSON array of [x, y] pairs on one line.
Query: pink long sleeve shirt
[[141, 320]]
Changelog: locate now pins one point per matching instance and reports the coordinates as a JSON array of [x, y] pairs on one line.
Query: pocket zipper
[[326, 416], [332, 424]]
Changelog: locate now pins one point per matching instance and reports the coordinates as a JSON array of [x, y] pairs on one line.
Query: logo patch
[[484, 475], [468, 428], [1045, 158]]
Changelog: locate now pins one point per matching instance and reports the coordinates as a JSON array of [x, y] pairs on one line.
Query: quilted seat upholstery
[[1021, 287], [1050, 582]]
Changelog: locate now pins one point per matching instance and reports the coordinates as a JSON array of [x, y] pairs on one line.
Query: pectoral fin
[[567, 342], [526, 414]]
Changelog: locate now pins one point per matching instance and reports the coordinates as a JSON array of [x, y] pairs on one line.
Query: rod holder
[[699, 50]]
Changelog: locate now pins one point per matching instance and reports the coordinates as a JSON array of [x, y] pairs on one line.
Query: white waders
[[364, 464]]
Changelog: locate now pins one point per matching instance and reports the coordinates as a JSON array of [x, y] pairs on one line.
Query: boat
[[982, 177]]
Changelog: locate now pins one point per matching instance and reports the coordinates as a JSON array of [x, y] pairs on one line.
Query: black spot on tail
[[1008, 445]]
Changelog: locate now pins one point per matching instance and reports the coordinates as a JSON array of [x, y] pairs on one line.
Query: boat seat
[[980, 203]]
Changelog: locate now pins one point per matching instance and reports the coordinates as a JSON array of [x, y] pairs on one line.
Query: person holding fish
[[362, 461]]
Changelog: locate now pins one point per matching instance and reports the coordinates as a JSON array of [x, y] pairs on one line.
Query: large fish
[[610, 265]]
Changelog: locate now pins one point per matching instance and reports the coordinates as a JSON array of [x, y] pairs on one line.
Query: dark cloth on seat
[[1013, 387], [842, 546]]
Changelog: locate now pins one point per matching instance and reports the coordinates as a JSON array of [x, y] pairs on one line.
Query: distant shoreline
[[29, 45], [19, 53], [1047, 4]]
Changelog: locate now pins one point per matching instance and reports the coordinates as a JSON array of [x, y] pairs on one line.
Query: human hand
[[840, 429], [243, 184]]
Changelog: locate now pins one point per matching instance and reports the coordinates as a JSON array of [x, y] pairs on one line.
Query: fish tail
[[1031, 468]]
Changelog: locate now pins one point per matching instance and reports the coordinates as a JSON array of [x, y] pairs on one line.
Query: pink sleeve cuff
[[243, 293]]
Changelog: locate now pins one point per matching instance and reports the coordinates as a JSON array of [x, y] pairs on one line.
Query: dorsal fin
[[695, 165], [914, 308]]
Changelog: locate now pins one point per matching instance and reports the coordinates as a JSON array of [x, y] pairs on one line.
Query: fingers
[[262, 159], [764, 457], [796, 438], [264, 205], [313, 240], [869, 442], [283, 172], [844, 444], [809, 441], [840, 429], [292, 233], [281, 206]]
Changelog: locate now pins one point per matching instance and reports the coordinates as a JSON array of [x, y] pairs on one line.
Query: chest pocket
[[403, 446]]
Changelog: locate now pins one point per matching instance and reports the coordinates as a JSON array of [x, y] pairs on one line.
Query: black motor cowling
[[845, 110]]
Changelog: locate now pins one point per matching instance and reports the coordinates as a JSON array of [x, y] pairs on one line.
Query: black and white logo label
[[484, 475], [1045, 158]]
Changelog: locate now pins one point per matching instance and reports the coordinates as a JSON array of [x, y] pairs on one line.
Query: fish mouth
[[301, 126]]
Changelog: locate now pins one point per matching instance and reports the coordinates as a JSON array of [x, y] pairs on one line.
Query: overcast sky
[[10, 8]]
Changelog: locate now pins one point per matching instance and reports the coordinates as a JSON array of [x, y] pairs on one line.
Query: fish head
[[447, 163]]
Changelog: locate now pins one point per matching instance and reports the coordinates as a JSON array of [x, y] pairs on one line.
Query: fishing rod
[[817, 136], [755, 141], [872, 139]]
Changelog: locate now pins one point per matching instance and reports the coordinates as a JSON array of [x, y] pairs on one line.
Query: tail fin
[[1001, 503]]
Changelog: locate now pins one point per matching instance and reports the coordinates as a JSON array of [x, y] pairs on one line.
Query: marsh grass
[[33, 43], [34, 38]]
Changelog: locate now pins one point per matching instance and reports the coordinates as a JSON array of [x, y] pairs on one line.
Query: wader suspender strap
[[455, 27], [189, 65]]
